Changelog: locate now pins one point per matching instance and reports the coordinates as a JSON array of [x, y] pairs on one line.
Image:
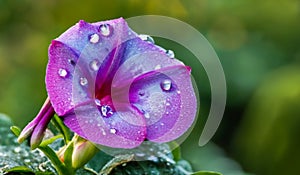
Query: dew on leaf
[[17, 149]]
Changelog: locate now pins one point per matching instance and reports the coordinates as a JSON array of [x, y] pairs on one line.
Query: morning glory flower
[[115, 88]]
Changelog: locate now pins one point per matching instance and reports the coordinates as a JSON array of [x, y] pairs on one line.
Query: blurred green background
[[258, 43]]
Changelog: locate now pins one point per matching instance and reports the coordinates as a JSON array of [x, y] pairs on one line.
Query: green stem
[[59, 166], [62, 128]]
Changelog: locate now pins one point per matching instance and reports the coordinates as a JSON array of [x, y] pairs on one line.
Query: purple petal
[[77, 56], [59, 76], [148, 65], [168, 101], [137, 58], [122, 129], [97, 44]]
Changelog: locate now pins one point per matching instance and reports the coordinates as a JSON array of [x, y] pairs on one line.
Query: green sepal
[[68, 155], [58, 123], [51, 140]]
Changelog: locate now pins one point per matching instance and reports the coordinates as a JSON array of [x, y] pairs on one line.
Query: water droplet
[[162, 124], [105, 29], [142, 93], [178, 92], [152, 158], [72, 62], [166, 85], [97, 102], [112, 130], [146, 38], [106, 111], [140, 154], [95, 65], [62, 73], [147, 115], [157, 67], [168, 104], [17, 149], [103, 132], [170, 53], [94, 38], [83, 81], [27, 160]]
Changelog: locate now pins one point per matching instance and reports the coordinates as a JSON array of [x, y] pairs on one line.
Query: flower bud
[[82, 153], [36, 128]]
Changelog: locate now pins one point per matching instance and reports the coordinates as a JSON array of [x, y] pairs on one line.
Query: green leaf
[[16, 158], [99, 160], [153, 158], [20, 169], [15, 130], [51, 140], [21, 156], [116, 161], [206, 173], [44, 173]]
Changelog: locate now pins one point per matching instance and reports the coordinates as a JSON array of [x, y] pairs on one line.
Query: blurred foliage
[[251, 37], [268, 138]]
